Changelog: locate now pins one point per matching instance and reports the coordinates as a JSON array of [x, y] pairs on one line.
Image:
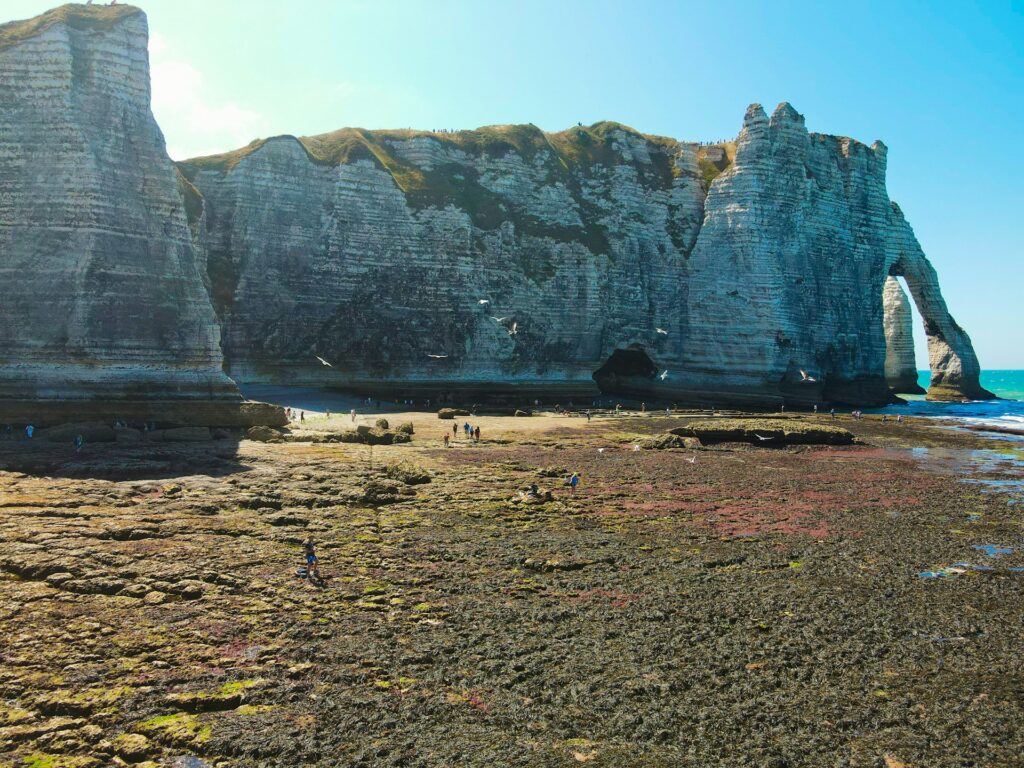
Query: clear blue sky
[[942, 83]]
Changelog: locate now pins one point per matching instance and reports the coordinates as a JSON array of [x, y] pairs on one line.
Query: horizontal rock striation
[[500, 260], [505, 258], [900, 365], [104, 288]]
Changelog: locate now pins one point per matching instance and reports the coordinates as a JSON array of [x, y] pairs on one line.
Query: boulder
[[667, 440], [263, 434], [451, 413], [405, 428], [382, 423]]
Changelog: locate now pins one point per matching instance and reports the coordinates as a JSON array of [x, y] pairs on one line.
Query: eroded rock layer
[[503, 259], [900, 366], [104, 288]]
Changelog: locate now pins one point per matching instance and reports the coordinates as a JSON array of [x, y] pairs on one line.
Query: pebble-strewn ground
[[754, 607]]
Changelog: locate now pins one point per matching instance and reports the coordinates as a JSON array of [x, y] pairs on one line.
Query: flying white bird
[[805, 377], [437, 357], [762, 437], [662, 331], [323, 361], [693, 460], [500, 319], [514, 329], [484, 302], [663, 375]]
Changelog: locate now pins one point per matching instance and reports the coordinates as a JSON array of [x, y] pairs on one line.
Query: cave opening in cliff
[[626, 371]]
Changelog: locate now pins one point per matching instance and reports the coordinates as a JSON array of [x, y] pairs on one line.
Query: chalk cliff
[[104, 292], [508, 259], [503, 259], [900, 366]]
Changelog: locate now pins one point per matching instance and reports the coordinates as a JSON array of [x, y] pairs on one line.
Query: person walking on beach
[[572, 483], [588, 414], [446, 439], [30, 430], [465, 428], [309, 549], [899, 418], [815, 408], [351, 413], [833, 413], [476, 433], [455, 431], [79, 442], [302, 415]]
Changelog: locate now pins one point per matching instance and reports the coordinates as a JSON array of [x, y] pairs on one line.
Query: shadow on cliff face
[[626, 372], [115, 461]]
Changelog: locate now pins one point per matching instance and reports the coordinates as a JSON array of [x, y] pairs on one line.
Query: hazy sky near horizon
[[941, 83]]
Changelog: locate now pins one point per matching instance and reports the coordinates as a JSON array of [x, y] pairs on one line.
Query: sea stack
[[105, 307]]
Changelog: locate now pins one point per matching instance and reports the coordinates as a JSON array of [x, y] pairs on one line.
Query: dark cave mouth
[[624, 370]]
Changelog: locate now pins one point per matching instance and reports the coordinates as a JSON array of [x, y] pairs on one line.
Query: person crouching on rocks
[[309, 548]]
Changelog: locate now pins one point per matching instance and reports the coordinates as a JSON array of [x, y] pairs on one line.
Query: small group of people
[[471, 433], [295, 415]]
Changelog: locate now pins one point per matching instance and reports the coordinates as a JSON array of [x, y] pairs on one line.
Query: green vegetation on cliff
[[568, 157], [75, 15]]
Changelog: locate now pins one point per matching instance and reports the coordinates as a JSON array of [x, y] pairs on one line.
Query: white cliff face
[[337, 261], [768, 285], [900, 366], [491, 260], [954, 366], [104, 291]]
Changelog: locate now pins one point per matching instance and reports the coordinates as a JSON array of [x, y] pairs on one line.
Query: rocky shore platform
[[708, 605]]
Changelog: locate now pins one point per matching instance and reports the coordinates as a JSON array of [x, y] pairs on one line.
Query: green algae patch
[[767, 433], [179, 729], [42, 760], [11, 715], [82, 702], [228, 696]]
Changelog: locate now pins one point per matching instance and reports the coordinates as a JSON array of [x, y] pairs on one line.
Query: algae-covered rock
[[407, 473], [264, 434], [451, 413], [668, 440], [765, 432], [382, 423], [405, 429]]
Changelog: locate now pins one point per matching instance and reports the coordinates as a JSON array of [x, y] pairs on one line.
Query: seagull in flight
[[323, 361], [437, 357], [692, 460], [484, 302], [500, 319], [514, 329], [804, 376], [762, 437], [662, 331], [663, 375]]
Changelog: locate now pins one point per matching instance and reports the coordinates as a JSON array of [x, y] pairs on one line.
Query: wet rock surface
[[748, 607]]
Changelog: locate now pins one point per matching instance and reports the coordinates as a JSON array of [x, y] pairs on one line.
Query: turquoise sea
[[1006, 412]]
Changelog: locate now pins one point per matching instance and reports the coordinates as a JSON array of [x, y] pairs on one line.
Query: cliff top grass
[[75, 15], [571, 148]]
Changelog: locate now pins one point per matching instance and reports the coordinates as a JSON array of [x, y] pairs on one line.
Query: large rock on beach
[[766, 433]]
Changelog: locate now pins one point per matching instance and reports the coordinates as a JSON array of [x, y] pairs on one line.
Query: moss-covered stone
[[765, 432]]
